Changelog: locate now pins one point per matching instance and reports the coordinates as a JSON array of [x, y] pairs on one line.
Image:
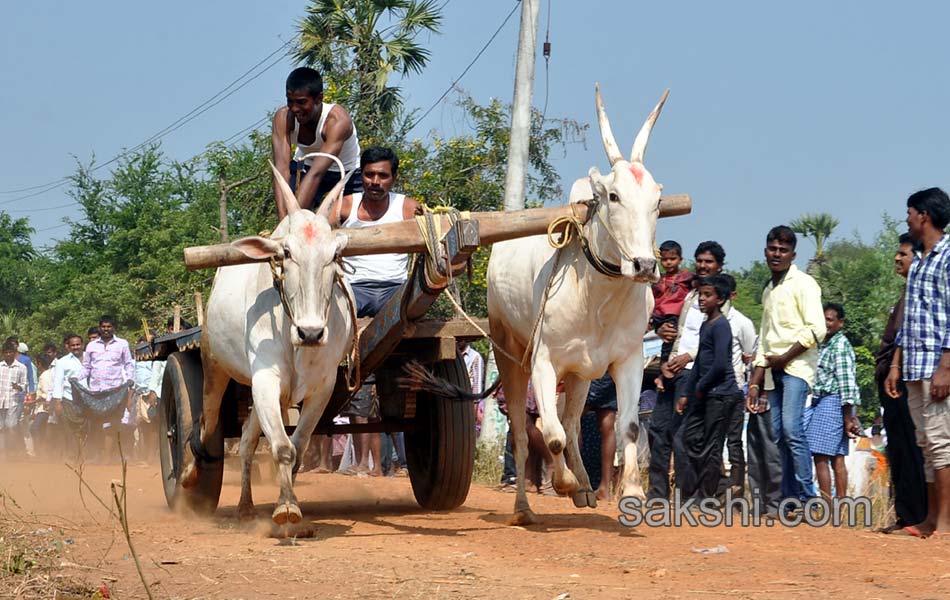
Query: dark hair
[[13, 339], [107, 319], [43, 361], [718, 283], [672, 246], [839, 310], [730, 281], [935, 203], [713, 248], [908, 240], [379, 153], [92, 330], [305, 79], [72, 335], [9, 346], [50, 346], [782, 233]]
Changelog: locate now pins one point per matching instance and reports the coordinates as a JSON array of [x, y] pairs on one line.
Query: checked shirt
[[925, 332], [836, 371]]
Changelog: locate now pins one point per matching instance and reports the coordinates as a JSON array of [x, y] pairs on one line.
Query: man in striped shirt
[[922, 357], [12, 382]]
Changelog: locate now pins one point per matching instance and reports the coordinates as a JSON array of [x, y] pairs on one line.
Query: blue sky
[[775, 109]]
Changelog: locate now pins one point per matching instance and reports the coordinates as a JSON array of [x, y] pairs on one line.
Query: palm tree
[[358, 44], [818, 228]]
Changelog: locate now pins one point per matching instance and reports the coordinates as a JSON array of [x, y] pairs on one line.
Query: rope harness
[[351, 363]]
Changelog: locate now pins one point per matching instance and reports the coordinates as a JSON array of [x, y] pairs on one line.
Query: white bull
[[591, 323], [285, 344]]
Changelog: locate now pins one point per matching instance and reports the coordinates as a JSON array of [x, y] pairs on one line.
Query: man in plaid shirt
[[922, 357], [830, 420], [12, 382]]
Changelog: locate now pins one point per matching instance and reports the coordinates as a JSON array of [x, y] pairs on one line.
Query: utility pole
[[521, 107]]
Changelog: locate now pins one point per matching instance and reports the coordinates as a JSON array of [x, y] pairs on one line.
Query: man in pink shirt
[[107, 364]]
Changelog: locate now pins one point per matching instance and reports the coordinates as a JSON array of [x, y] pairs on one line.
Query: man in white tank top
[[312, 126], [375, 277]]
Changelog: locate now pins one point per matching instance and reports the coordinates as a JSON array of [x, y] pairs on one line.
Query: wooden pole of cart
[[404, 236]]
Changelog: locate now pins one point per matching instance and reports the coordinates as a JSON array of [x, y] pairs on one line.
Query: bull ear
[[257, 247], [640, 144], [339, 243], [286, 194], [597, 186]]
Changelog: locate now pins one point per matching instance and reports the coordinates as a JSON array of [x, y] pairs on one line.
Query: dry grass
[[489, 462], [32, 559]]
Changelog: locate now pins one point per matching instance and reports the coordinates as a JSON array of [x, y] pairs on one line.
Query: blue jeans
[[787, 403]]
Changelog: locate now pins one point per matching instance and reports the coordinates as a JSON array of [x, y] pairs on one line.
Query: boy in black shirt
[[714, 392]]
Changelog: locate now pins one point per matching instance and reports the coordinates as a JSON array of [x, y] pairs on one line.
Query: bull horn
[[640, 144], [286, 194], [610, 145], [335, 194], [330, 198]]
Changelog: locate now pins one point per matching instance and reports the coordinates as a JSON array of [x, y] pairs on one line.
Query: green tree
[[16, 252], [467, 172], [358, 45], [818, 228]]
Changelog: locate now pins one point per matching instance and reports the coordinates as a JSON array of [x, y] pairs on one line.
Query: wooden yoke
[[404, 236]]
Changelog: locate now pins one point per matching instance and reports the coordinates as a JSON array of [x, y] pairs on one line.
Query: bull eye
[[287, 252], [614, 197]]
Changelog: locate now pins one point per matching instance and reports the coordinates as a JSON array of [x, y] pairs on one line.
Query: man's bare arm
[[411, 208], [280, 141], [337, 129]]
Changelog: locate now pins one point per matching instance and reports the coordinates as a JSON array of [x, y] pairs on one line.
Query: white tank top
[[377, 267], [349, 154]]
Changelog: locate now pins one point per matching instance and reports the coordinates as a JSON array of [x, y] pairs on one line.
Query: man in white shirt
[[67, 367], [665, 422]]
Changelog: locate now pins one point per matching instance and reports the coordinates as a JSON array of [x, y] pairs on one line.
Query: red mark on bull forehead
[[637, 171], [310, 232]]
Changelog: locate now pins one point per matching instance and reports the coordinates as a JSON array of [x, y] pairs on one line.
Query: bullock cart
[[439, 432]]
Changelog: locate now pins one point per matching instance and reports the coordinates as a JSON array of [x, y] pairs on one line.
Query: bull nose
[[311, 336], [645, 265]]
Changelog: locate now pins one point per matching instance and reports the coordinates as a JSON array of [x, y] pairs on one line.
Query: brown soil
[[367, 538]]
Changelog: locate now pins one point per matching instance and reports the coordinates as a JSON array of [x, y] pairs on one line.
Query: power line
[[474, 60], [234, 136], [203, 107]]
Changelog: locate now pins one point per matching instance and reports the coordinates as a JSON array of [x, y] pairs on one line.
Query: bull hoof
[[635, 491], [584, 498], [524, 517], [556, 447], [286, 513], [246, 513], [189, 477], [567, 485]]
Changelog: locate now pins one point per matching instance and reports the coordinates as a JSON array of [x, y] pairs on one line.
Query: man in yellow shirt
[[793, 323]]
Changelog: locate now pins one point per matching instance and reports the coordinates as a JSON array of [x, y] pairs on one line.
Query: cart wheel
[[181, 398], [441, 448]]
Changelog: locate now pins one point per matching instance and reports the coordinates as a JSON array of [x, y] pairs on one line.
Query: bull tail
[[418, 378]]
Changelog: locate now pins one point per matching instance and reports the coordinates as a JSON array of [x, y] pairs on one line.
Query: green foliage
[[818, 228], [750, 282], [124, 256], [467, 172], [16, 253], [357, 45]]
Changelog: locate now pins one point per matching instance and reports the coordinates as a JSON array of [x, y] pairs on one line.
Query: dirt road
[[367, 538]]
